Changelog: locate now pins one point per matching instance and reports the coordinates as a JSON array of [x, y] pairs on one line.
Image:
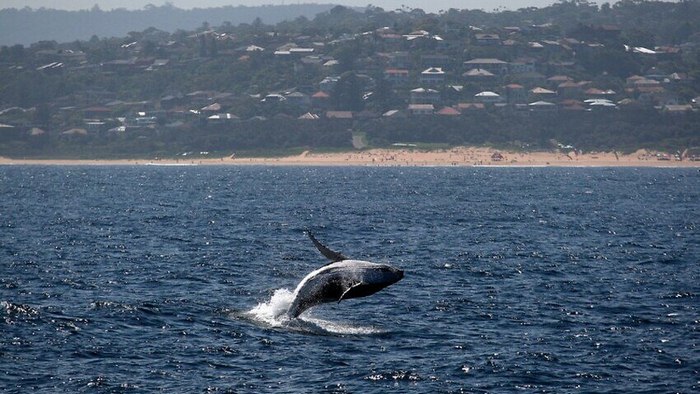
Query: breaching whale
[[339, 280]]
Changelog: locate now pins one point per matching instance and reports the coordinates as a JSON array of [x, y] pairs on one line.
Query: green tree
[[346, 54], [640, 38], [43, 115], [348, 92]]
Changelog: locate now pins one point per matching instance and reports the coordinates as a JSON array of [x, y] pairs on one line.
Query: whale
[[341, 279]]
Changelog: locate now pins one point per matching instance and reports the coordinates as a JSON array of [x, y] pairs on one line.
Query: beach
[[406, 157]]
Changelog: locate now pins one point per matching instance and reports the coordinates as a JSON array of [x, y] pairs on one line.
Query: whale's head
[[389, 274], [365, 278]]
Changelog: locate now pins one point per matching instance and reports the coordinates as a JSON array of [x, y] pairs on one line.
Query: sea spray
[[273, 312]]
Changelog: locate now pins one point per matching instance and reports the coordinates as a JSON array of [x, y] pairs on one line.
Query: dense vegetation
[[155, 93]]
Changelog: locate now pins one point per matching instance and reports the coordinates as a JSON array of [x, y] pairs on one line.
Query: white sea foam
[[273, 313], [338, 328]]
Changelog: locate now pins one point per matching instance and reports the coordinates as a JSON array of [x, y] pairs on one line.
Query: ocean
[[167, 279]]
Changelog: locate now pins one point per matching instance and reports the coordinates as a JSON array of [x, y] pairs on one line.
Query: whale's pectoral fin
[[342, 296], [329, 254]]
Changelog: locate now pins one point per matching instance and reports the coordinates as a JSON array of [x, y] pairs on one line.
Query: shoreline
[[454, 157]]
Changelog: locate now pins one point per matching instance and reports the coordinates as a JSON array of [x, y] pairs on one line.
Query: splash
[[273, 312], [321, 326]]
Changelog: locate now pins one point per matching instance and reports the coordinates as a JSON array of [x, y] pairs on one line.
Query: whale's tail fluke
[[329, 254]]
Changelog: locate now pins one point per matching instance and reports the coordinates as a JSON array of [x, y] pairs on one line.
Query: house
[[695, 102], [339, 115], [643, 83], [171, 101], [211, 109], [495, 66], [542, 106], [298, 99], [535, 46], [387, 34], [222, 118], [668, 53], [540, 93], [198, 98], [320, 99], [396, 76], [142, 120], [464, 107], [69, 56], [572, 105], [35, 131], [75, 131], [273, 98], [157, 64], [120, 65], [600, 104], [421, 109], [416, 34], [94, 125], [311, 60], [479, 76], [425, 96], [394, 113], [453, 93], [224, 98], [399, 59], [516, 93], [97, 112], [677, 109], [301, 52], [432, 76], [554, 47], [569, 89], [639, 84], [309, 116], [54, 67], [488, 97], [285, 50], [448, 111], [557, 80], [510, 43], [522, 66], [330, 63], [253, 48], [595, 93], [328, 84], [662, 98], [487, 39]]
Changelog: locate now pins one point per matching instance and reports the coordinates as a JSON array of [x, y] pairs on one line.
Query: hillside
[[572, 76]]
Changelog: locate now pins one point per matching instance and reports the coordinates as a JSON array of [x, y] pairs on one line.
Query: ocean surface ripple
[[171, 279]]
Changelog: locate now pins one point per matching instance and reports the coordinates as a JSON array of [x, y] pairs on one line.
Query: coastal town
[[434, 70]]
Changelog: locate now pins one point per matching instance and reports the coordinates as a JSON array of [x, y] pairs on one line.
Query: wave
[[273, 313]]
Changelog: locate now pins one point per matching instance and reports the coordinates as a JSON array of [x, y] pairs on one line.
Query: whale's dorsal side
[[333, 256]]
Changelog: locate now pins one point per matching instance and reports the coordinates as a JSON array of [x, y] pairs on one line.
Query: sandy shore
[[460, 156]]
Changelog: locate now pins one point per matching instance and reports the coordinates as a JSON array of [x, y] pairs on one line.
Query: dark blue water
[[152, 279]]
